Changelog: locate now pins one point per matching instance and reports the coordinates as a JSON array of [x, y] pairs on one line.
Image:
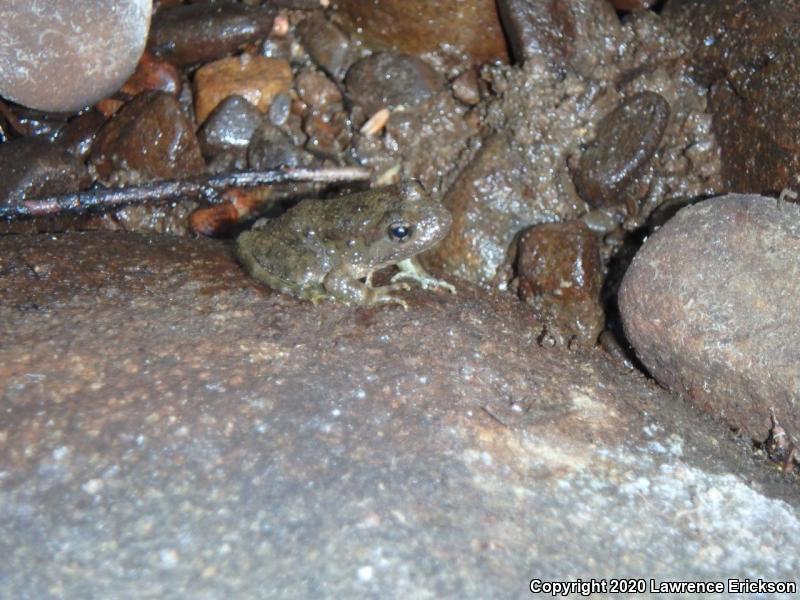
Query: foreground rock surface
[[710, 304], [170, 428]]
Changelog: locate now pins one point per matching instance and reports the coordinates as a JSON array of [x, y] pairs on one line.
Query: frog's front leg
[[411, 269], [348, 289]]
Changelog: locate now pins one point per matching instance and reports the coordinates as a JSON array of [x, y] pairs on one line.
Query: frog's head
[[410, 223]]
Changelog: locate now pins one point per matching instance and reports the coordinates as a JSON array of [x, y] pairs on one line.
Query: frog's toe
[[425, 282], [317, 297]]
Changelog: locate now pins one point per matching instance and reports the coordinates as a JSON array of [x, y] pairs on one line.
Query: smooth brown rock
[[387, 80], [748, 55], [327, 45], [36, 167], [149, 138], [256, 78], [709, 304], [560, 276], [153, 74], [62, 56], [205, 31], [624, 142], [170, 425], [419, 26]]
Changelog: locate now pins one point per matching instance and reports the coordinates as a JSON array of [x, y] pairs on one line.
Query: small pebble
[[466, 87], [271, 148]]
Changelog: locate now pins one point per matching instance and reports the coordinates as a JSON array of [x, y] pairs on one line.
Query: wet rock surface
[[709, 305], [152, 120], [327, 45], [35, 167], [230, 126], [560, 274], [753, 74], [625, 141], [418, 26], [66, 55], [387, 80], [248, 443], [256, 78], [579, 34], [206, 31]]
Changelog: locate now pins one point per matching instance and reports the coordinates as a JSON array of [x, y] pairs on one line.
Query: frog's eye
[[400, 231]]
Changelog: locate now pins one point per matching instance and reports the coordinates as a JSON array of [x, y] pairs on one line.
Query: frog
[[328, 249]]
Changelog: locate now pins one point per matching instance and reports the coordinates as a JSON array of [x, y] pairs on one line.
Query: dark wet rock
[[542, 117], [328, 134], [625, 141], [466, 87], [387, 80], [150, 388], [79, 134], [709, 304], [35, 167], [560, 275], [153, 73], [429, 143], [229, 127], [419, 26], [578, 34], [747, 54], [205, 31], [272, 148], [149, 138], [257, 78], [632, 4], [66, 55], [280, 109], [318, 92], [328, 46]]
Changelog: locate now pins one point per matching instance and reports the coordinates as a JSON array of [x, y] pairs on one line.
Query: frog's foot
[[317, 296], [349, 290], [411, 269], [384, 295]]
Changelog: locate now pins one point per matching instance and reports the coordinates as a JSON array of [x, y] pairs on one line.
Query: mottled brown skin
[[322, 249]]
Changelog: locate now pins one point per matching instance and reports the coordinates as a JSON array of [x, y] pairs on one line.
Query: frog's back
[[284, 258]]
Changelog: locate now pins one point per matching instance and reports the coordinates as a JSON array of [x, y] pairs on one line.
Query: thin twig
[[208, 186]]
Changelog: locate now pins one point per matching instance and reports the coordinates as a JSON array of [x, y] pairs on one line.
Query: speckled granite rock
[[170, 429], [710, 304]]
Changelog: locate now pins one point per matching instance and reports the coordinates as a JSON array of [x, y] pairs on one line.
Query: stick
[[209, 186]]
